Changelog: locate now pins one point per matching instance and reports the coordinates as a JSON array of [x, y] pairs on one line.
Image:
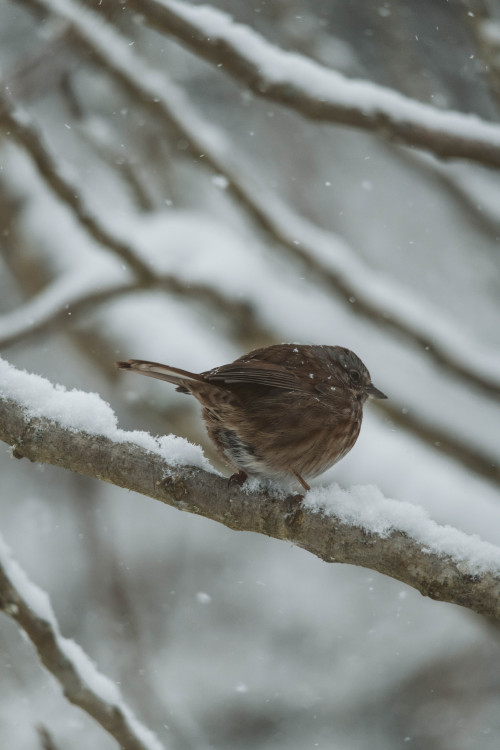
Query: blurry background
[[219, 639]]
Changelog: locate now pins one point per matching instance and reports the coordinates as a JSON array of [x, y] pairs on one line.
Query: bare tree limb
[[316, 92], [395, 551], [484, 219], [240, 315], [82, 684], [101, 138]]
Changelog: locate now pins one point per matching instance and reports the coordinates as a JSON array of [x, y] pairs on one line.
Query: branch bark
[[191, 489]]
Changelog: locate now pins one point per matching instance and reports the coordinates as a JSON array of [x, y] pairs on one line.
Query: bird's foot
[[302, 482], [238, 477]]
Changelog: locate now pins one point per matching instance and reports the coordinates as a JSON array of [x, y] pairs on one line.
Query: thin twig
[[46, 739], [448, 443]]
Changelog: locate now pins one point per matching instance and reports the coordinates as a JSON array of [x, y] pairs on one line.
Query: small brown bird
[[286, 411]]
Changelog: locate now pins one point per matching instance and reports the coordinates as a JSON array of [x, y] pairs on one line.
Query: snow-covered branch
[[59, 305], [78, 431], [329, 261], [66, 300], [101, 138], [18, 126], [296, 82], [80, 680]]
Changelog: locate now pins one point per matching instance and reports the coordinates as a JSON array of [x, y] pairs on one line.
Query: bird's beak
[[372, 391]]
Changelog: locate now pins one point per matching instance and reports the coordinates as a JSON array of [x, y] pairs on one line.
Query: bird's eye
[[355, 376]]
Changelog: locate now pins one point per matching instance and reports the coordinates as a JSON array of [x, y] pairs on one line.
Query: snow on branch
[[62, 302], [82, 684], [301, 84], [45, 312], [18, 125], [79, 432], [73, 295], [328, 259]]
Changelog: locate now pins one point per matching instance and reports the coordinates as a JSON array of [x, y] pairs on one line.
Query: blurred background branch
[[80, 681], [316, 92]]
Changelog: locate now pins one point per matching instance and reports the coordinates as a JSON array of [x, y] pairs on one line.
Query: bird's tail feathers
[[162, 372]]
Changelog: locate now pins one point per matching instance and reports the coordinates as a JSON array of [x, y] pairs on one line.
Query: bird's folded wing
[[259, 373]]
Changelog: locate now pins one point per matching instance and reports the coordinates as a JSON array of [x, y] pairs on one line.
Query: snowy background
[[219, 639]]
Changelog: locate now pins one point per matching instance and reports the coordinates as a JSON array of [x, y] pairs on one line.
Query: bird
[[285, 413]]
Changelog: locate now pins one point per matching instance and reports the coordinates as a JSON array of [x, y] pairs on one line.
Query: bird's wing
[[259, 373]]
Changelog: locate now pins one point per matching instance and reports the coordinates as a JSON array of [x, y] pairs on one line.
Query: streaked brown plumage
[[280, 412]]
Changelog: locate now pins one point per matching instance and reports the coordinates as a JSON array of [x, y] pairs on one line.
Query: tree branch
[[82, 684], [241, 315], [19, 126], [71, 296], [316, 92], [59, 428]]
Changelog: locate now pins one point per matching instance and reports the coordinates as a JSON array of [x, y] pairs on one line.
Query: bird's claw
[[238, 477]]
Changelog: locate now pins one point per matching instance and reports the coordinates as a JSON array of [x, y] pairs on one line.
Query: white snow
[[81, 411], [106, 690], [203, 598], [366, 507]]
